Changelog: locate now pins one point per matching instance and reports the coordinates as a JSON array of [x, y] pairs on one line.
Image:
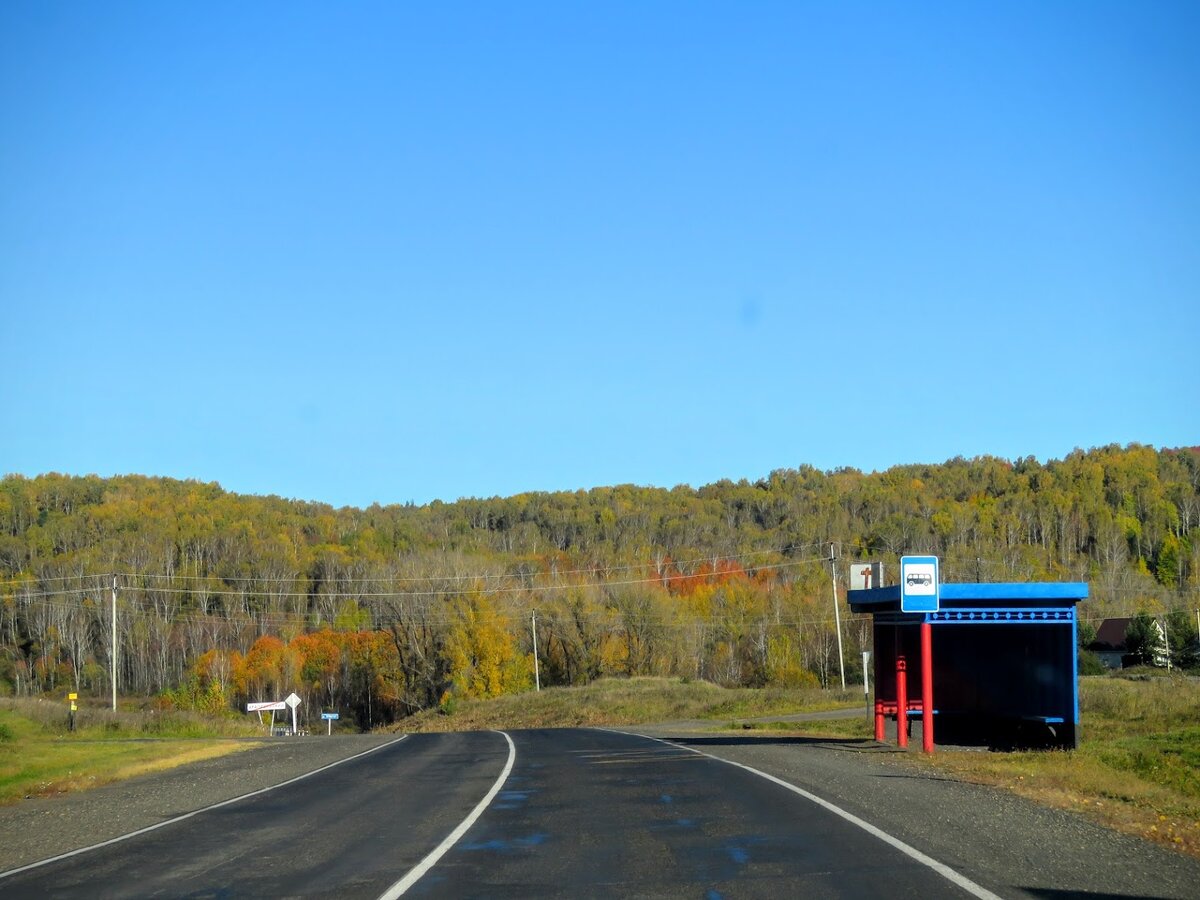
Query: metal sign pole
[[537, 678], [866, 690], [837, 616], [114, 643]]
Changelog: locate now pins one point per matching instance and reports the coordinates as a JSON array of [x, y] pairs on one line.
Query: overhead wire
[[592, 569]]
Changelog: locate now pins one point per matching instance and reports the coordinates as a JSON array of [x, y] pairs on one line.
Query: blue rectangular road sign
[[329, 715], [919, 584]]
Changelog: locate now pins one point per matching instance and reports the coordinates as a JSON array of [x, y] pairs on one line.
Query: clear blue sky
[[386, 252]]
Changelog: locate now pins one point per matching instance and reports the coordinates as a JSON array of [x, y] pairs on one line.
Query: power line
[[274, 579], [592, 569], [666, 580]]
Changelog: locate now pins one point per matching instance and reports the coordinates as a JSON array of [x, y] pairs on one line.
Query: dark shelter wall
[[1000, 685]]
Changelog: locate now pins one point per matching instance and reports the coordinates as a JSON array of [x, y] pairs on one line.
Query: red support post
[[879, 720], [901, 702], [927, 687]]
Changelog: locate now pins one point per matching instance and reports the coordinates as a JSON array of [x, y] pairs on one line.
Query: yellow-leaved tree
[[483, 654]]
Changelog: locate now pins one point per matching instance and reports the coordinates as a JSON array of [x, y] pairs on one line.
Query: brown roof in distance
[[1111, 634]]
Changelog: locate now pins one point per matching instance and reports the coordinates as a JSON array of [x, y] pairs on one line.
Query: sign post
[[866, 690], [293, 701], [329, 718], [920, 592]]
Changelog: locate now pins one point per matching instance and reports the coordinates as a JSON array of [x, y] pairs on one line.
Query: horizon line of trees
[[729, 582]]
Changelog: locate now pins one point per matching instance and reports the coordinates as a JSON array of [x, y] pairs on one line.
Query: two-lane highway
[[596, 813]]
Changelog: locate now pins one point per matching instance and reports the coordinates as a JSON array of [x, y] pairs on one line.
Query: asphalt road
[[592, 813]]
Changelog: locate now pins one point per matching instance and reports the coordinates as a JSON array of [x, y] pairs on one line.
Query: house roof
[[1111, 634]]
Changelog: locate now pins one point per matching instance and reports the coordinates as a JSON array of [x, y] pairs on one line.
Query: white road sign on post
[[293, 701]]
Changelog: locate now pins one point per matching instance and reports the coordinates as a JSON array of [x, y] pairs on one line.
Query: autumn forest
[[223, 599]]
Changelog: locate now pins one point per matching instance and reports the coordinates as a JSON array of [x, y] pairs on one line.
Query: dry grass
[[623, 701], [1137, 769]]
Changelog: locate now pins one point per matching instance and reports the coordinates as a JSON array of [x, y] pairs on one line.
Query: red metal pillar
[[901, 701], [927, 687], [879, 720]]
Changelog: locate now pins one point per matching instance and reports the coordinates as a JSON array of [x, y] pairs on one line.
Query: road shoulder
[[43, 827]]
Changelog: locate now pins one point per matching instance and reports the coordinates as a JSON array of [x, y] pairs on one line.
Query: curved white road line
[[942, 869], [195, 812], [438, 852]]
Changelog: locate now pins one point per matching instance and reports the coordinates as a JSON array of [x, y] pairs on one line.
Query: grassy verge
[[39, 756], [750, 703], [855, 728], [625, 701]]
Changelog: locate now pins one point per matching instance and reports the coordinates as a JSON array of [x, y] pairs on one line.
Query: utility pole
[[837, 616], [537, 678], [1167, 643], [113, 655]]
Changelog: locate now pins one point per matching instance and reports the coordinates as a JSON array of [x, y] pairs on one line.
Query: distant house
[[1109, 644]]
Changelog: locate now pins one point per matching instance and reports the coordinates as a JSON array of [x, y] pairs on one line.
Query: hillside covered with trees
[[381, 612]]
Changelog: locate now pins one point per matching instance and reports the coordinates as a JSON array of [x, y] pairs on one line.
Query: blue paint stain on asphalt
[[511, 799], [665, 798], [738, 855], [714, 895], [487, 845], [500, 846]]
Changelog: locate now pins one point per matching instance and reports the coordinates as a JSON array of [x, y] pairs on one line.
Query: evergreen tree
[[1143, 640], [1181, 637]]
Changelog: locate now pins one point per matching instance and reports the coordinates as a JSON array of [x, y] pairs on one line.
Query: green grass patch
[[39, 755]]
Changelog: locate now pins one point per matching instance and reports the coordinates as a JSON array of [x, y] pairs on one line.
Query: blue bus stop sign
[[919, 584]]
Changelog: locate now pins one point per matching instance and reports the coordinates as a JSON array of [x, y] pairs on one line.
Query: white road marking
[[195, 812], [398, 889], [941, 868]]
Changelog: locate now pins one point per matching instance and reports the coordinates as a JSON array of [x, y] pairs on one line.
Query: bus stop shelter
[[993, 665]]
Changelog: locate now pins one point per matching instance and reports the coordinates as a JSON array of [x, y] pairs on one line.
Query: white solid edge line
[[194, 812], [941, 868], [438, 852]]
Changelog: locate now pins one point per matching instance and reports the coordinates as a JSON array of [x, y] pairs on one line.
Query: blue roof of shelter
[[1053, 593]]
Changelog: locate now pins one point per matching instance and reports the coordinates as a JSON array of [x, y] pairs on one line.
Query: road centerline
[[414, 875]]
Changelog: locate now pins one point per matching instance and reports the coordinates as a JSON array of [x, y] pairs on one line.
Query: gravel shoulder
[[43, 827], [1010, 845]]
